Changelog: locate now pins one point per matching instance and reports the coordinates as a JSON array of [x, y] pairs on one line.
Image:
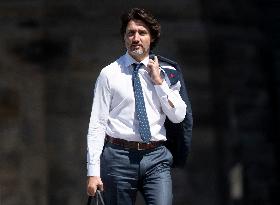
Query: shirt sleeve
[[167, 93], [97, 124]]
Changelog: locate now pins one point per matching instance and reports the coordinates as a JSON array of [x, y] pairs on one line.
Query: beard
[[137, 52], [140, 51]]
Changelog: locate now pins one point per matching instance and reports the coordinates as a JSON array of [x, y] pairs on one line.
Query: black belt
[[133, 144]]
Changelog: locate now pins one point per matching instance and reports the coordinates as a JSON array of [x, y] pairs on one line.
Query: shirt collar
[[128, 60]]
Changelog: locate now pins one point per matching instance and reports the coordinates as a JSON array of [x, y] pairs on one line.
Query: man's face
[[137, 39]]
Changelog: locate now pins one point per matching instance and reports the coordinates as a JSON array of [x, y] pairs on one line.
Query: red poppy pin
[[172, 75]]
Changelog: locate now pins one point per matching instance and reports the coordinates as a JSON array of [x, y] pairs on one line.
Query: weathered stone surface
[[23, 166], [52, 51]]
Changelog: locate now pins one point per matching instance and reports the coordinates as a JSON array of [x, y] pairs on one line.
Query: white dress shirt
[[113, 109]]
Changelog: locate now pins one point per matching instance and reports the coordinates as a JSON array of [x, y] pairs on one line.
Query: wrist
[[92, 177], [158, 81]]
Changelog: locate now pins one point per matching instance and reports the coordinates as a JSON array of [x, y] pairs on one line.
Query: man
[[134, 97]]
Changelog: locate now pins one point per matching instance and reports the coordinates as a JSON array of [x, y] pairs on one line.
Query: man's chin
[[137, 52]]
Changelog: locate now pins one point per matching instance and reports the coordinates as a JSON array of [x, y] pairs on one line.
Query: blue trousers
[[124, 172]]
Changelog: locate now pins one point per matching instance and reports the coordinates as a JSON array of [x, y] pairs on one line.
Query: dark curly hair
[[145, 16]]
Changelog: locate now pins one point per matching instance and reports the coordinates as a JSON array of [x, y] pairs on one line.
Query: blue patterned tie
[[144, 127]]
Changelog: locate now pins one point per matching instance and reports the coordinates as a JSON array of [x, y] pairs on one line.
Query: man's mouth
[[136, 49], [136, 46]]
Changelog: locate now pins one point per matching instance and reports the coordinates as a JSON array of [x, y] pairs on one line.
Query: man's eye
[[130, 33], [143, 33]]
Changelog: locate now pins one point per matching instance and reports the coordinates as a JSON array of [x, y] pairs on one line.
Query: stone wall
[[245, 79], [51, 53]]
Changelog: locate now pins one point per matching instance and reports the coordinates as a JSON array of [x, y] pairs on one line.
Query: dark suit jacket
[[178, 135]]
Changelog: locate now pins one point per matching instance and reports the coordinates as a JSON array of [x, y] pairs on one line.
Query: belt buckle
[[138, 146]]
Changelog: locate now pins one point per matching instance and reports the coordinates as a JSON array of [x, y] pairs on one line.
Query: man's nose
[[136, 36]]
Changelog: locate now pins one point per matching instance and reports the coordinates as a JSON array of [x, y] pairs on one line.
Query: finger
[[149, 66], [100, 187], [150, 62], [156, 60], [91, 191], [90, 194]]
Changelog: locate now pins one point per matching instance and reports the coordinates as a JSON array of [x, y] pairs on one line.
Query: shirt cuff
[[162, 90], [93, 170], [165, 94]]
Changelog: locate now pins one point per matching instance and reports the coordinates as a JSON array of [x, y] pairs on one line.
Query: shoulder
[[111, 69]]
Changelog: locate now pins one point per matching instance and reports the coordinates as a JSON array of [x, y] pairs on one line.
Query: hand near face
[[154, 71]]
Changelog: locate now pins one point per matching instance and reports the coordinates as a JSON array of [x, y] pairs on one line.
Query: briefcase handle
[[98, 197]]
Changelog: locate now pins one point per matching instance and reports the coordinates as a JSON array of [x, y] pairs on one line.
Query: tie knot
[[136, 66]]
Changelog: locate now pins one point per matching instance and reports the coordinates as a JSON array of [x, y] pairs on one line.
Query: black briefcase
[[96, 200]]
